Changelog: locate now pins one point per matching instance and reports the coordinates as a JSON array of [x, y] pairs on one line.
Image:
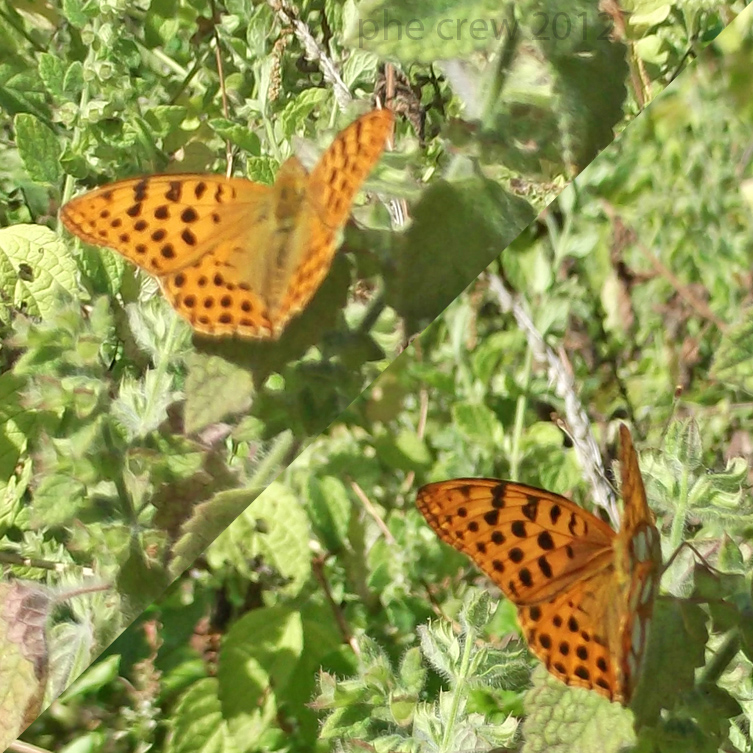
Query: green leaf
[[208, 519], [260, 652], [275, 528], [562, 719], [587, 83], [733, 356], [197, 722], [24, 612], [477, 423], [73, 83], [52, 73], [241, 136], [215, 389], [330, 510], [675, 649], [36, 268], [15, 424], [100, 674], [406, 451], [458, 229], [39, 149]]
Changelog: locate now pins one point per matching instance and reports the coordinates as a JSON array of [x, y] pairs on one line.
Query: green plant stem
[[126, 501], [13, 558], [271, 462], [273, 145], [65, 595], [161, 381], [506, 54], [372, 314], [19, 29], [552, 228], [722, 658], [678, 521], [167, 61], [19, 746], [82, 102], [189, 77], [456, 330], [459, 688], [520, 410]]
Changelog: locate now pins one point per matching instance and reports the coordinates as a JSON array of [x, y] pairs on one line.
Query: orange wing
[[532, 543], [341, 171], [332, 186], [164, 223], [638, 563]]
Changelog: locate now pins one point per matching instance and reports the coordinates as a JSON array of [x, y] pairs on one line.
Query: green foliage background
[[126, 448], [640, 288]]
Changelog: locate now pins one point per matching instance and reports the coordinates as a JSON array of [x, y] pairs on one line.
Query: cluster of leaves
[[113, 481], [113, 448], [385, 707]]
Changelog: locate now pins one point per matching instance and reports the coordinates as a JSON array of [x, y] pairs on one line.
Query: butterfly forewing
[[533, 544], [331, 188], [312, 269], [341, 171], [163, 223], [584, 593]]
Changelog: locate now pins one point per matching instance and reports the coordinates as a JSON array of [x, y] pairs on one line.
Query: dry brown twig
[[578, 422]]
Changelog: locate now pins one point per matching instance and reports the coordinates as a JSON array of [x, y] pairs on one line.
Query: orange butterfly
[[584, 593], [235, 257]]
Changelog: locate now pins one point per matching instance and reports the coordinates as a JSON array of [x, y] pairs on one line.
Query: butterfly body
[[232, 256], [584, 592], [289, 190]]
